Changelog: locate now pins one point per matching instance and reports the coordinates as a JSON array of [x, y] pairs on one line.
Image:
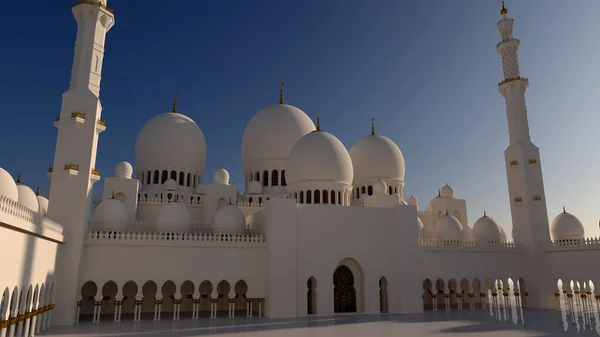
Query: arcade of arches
[[451, 294]]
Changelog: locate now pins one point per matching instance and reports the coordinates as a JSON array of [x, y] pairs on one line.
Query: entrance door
[[344, 294]]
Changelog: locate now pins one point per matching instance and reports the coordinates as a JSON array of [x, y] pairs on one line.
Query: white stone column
[[34, 314], [260, 300], [78, 312], [483, 298], [434, 302]]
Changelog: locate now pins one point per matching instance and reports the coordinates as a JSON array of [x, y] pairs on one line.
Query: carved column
[[483, 300], [157, 309], [97, 311], [231, 307], [118, 308], [78, 311], [260, 300], [213, 307]]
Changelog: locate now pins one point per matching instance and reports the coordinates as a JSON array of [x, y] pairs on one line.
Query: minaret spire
[[281, 93]]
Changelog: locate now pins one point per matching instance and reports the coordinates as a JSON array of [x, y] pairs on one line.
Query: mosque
[[317, 230]]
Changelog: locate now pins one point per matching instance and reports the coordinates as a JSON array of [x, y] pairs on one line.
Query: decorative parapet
[[50, 169], [101, 122], [78, 114], [459, 245], [509, 40], [518, 199], [537, 198], [572, 244], [424, 214], [173, 239], [253, 204], [95, 172], [513, 79], [38, 224], [98, 3]]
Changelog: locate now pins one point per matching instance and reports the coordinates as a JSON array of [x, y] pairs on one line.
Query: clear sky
[[426, 70]]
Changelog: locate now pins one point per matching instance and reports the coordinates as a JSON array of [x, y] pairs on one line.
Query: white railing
[[572, 244], [195, 239], [15, 209], [424, 214], [253, 204], [437, 244]]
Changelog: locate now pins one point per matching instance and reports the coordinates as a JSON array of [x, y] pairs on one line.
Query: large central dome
[[171, 140], [272, 132]]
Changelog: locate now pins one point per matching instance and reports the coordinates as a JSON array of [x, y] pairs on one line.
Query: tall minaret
[[73, 173], [523, 167]]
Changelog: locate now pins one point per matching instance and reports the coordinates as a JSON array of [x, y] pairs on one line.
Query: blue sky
[[426, 70]]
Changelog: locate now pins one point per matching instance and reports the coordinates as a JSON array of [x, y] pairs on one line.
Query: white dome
[[229, 219], [123, 170], [27, 197], [447, 227], [173, 218], [486, 229], [412, 200], [447, 192], [43, 203], [110, 214], [566, 226], [420, 227], [254, 187], [171, 140], [380, 187], [376, 156], [221, 177], [272, 132], [319, 156], [8, 187], [170, 185]]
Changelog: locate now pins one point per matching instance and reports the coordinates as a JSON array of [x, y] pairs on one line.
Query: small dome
[[173, 218], [447, 227], [27, 197], [380, 187], [283, 123], [221, 177], [170, 185], [319, 156], [254, 187], [412, 200], [110, 214], [43, 202], [447, 192], [486, 229], [171, 140], [8, 187], [123, 170], [420, 226], [376, 156], [229, 219], [566, 226]]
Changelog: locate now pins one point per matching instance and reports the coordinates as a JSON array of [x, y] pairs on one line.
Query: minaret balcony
[[518, 200], [50, 169], [95, 175], [94, 3], [100, 126], [72, 169], [79, 117], [56, 121]]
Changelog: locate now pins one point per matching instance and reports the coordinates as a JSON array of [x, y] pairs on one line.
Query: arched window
[[308, 197], [257, 176], [155, 177], [357, 193], [363, 190], [250, 200], [148, 177], [260, 201], [274, 178], [295, 195], [333, 197], [301, 197], [316, 197], [165, 176], [325, 197], [283, 182], [370, 190], [266, 178], [390, 190], [396, 189], [340, 198], [174, 175], [181, 178], [189, 180], [194, 181]]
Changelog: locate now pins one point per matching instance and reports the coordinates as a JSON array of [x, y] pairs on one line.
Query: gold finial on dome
[[484, 214], [281, 92], [504, 11], [318, 123], [439, 193], [564, 210], [19, 178], [372, 126], [37, 190], [113, 195], [175, 104]]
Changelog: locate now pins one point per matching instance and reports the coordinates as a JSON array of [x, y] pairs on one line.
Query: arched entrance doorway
[[311, 296], [344, 293]]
